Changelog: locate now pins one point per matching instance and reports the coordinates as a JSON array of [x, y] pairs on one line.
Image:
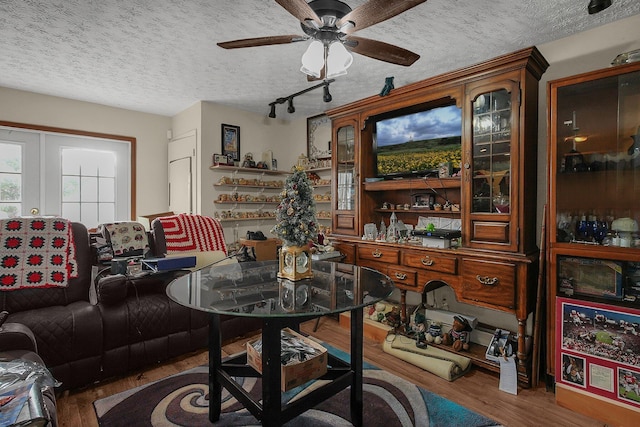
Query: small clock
[[302, 263]]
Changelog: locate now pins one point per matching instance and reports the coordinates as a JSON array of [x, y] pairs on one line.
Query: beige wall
[[150, 131], [287, 139], [258, 133]]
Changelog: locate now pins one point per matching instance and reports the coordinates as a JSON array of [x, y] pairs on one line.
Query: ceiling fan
[[331, 21]]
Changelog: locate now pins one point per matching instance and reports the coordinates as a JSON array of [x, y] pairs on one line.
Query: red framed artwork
[[598, 349]]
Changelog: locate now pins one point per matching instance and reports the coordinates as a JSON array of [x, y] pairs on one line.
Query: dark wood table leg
[[215, 363], [271, 372], [356, 366]]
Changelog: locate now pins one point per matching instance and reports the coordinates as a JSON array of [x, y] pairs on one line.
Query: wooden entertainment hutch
[[495, 266]]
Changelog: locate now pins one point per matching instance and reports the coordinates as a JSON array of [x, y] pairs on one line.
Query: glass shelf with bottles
[[597, 228]]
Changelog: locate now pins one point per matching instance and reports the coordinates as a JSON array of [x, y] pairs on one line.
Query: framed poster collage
[[598, 349]]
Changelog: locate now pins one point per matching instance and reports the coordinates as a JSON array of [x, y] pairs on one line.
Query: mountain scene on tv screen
[[419, 156]]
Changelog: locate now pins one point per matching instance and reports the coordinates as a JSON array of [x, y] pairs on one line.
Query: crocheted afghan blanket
[[185, 232], [36, 253]]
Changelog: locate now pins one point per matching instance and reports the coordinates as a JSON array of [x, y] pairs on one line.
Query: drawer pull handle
[[486, 280], [401, 276], [426, 261], [376, 253]]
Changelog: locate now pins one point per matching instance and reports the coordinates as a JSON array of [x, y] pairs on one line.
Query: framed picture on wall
[[319, 137], [231, 141]]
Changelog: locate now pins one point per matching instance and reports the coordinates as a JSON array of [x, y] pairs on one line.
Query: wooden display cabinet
[[495, 266], [594, 247]]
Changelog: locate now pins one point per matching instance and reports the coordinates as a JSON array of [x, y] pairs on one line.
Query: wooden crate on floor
[[373, 330]]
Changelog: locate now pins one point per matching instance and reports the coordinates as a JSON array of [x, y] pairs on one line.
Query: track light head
[[291, 109], [272, 113], [327, 96], [596, 6]]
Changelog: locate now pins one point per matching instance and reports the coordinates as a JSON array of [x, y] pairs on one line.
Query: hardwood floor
[[478, 390]]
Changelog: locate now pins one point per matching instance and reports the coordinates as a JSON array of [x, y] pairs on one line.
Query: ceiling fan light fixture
[[596, 6], [313, 59], [338, 60], [347, 26]]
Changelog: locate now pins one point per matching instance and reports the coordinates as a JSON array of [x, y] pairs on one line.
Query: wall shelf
[[248, 170]]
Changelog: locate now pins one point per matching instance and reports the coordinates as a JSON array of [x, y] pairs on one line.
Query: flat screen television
[[417, 143]]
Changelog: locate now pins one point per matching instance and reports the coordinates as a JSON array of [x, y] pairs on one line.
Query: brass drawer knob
[[401, 276], [486, 280], [376, 253], [426, 261]]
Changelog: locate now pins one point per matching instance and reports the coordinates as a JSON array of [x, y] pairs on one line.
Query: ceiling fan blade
[[375, 11], [381, 51], [261, 41], [300, 9]]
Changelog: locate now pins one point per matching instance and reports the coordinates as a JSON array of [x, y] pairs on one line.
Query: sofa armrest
[[112, 289], [16, 336]]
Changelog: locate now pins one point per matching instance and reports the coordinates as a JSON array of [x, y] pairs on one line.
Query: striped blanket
[[185, 232], [36, 253]]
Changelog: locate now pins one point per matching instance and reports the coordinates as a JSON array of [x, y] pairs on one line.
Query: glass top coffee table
[[252, 289]]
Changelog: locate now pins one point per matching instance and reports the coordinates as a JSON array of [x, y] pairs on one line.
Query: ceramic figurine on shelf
[[382, 232], [393, 232]]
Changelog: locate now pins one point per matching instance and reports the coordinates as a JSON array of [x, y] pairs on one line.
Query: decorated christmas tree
[[296, 222]]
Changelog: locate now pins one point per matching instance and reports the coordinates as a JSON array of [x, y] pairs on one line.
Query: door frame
[[129, 139]]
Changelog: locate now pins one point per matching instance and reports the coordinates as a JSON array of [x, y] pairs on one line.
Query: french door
[[81, 178]]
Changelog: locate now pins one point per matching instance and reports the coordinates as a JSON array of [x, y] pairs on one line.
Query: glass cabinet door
[[491, 152], [597, 161], [345, 176], [346, 167]]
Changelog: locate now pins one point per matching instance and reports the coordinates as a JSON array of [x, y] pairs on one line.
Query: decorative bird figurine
[[388, 85]]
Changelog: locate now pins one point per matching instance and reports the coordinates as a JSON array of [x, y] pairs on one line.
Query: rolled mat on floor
[[439, 362]]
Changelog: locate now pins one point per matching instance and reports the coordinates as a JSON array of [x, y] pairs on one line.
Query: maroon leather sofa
[[133, 324], [231, 326], [67, 327]]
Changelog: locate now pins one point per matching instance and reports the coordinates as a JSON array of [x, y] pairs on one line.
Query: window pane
[[89, 189], [107, 212], [71, 161], [10, 210], [107, 164], [89, 214], [10, 158], [70, 189], [107, 189], [71, 211], [90, 163], [10, 187]]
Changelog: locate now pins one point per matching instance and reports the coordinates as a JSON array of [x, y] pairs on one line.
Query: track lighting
[[289, 99], [596, 6], [327, 96]]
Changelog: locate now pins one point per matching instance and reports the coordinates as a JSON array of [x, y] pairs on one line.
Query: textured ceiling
[[161, 56]]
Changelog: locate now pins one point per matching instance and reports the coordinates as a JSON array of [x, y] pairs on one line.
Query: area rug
[[181, 400]]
